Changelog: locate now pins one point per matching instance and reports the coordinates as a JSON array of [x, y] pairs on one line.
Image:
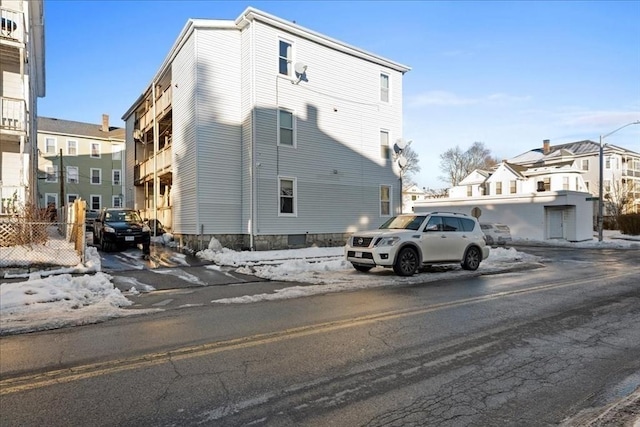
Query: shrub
[[629, 224]]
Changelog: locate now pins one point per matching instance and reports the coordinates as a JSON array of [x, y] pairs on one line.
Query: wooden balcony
[[144, 172], [12, 27], [163, 104], [13, 114]]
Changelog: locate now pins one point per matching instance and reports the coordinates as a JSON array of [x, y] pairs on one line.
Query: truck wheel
[[406, 262]]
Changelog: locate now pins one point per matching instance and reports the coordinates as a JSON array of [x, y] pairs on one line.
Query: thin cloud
[[444, 98]]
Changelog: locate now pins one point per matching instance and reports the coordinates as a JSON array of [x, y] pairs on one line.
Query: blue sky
[[506, 73]]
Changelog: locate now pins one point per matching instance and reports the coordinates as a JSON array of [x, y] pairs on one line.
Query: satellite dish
[[300, 68], [401, 144], [137, 134], [402, 161]]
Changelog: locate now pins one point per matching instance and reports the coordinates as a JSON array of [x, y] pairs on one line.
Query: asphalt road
[[530, 348]]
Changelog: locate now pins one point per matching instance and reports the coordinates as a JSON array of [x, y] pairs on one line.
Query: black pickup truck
[[119, 228]]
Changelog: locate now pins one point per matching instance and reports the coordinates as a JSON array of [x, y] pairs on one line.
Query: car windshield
[[124, 216], [404, 222]]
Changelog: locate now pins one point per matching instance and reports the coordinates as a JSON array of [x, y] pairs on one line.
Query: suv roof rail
[[450, 213]]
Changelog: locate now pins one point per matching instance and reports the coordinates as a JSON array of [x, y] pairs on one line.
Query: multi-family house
[[264, 134], [22, 81], [621, 168], [80, 160]]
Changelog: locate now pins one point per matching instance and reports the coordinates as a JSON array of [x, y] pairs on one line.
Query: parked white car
[[411, 241], [496, 234]]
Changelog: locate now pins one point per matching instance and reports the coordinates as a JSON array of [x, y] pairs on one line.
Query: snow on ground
[[82, 294]]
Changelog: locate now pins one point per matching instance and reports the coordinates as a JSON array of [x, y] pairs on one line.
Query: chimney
[[105, 123], [546, 146]]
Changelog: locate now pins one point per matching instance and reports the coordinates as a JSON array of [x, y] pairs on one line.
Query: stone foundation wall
[[240, 242]]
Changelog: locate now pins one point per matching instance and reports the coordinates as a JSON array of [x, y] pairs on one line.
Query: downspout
[[253, 217]]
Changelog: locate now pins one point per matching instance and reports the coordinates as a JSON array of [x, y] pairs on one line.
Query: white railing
[[162, 103], [163, 162], [12, 25], [13, 114]]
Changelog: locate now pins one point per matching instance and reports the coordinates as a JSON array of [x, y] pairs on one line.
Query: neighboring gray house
[[92, 163], [265, 135], [22, 81]]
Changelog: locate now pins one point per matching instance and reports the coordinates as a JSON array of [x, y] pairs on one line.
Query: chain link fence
[[37, 243]]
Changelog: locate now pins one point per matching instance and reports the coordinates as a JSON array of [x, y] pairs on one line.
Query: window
[[384, 87], [50, 146], [116, 151], [565, 182], [385, 151], [287, 193], [285, 58], [96, 176], [116, 201], [95, 150], [498, 188], [286, 134], [72, 175], [71, 198], [607, 185], [96, 202], [469, 191], [547, 184], [451, 224], [51, 198], [115, 178], [385, 200], [52, 174], [585, 164], [586, 185], [513, 186], [72, 147], [607, 162]]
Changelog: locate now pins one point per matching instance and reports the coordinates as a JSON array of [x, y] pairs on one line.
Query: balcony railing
[[13, 114], [162, 104], [11, 25], [144, 171]]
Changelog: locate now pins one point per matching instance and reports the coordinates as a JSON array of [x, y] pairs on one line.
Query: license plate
[[358, 254], [129, 238]]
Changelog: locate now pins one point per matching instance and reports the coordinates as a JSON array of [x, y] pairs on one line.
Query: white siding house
[[264, 134], [21, 83]]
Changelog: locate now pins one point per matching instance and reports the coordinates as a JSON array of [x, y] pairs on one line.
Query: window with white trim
[[52, 173], [513, 186], [385, 150], [73, 175], [51, 198], [565, 182], [385, 200], [585, 164], [115, 177], [72, 198], [287, 194], [384, 87], [96, 176], [95, 150], [50, 146], [116, 152], [72, 147], [286, 128], [285, 57], [95, 201], [116, 201], [499, 188]]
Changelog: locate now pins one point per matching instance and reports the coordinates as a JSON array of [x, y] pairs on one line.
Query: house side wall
[[218, 139], [184, 155], [246, 114], [336, 162]]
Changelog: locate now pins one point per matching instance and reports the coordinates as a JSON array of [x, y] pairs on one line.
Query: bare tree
[[411, 167], [457, 164], [618, 198]]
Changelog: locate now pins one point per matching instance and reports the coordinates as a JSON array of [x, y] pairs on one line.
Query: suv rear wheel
[[471, 259], [406, 262]]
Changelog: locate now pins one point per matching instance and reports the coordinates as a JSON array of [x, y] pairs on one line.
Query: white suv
[[408, 242]]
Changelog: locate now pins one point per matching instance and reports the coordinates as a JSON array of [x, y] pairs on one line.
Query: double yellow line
[[62, 376]]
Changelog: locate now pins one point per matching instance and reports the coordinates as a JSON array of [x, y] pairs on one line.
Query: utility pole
[[61, 201]]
